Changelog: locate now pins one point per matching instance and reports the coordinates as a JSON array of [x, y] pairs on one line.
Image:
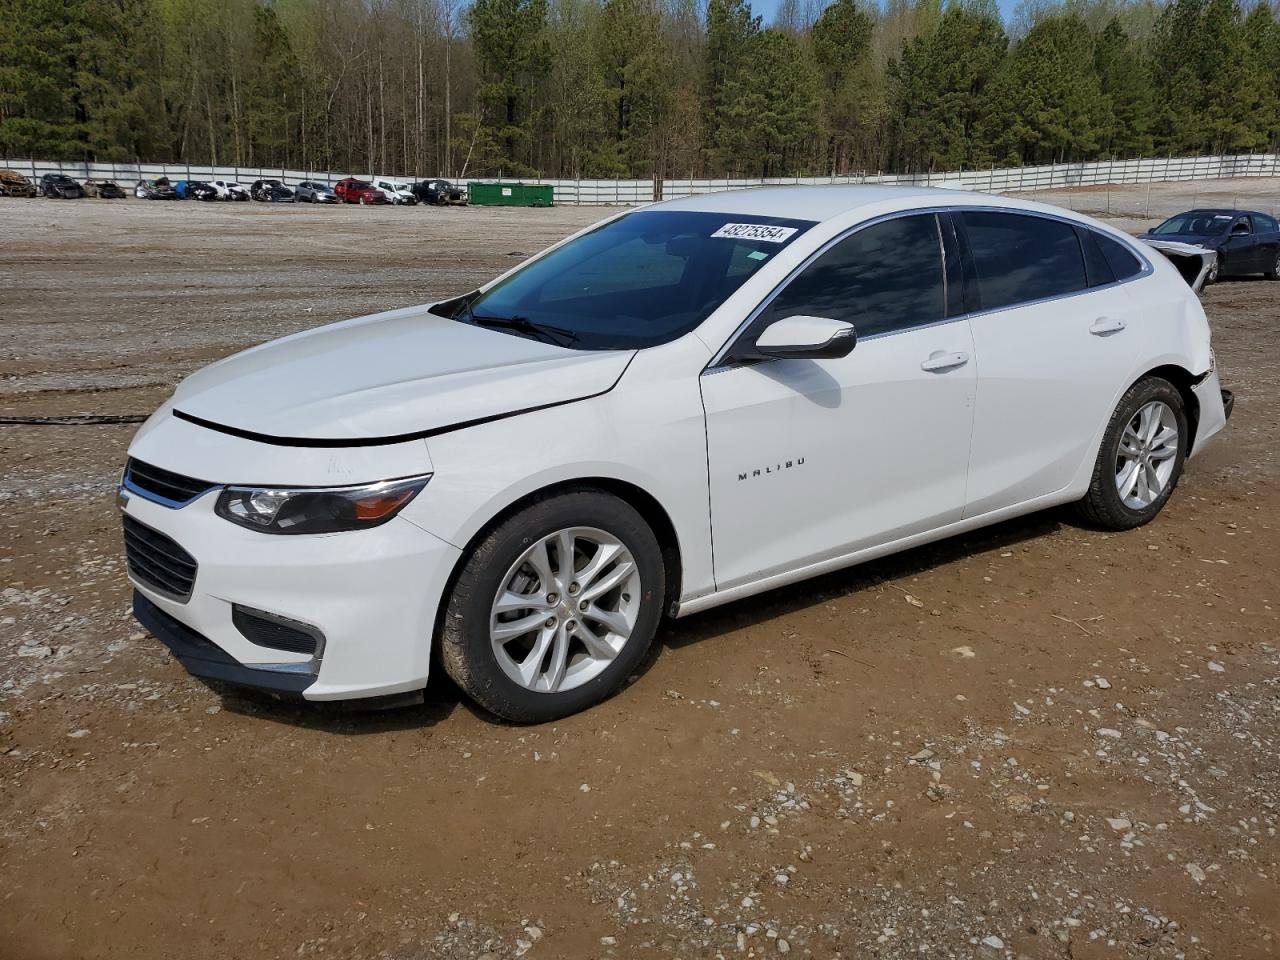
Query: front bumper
[[372, 594], [205, 659]]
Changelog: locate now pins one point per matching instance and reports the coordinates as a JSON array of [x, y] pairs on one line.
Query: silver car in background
[[314, 191]]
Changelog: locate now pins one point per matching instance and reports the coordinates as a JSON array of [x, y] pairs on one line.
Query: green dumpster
[[510, 194]]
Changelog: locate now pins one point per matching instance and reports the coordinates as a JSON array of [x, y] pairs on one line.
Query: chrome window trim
[[717, 362]]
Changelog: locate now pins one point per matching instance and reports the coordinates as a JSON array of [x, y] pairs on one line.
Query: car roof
[[1220, 211], [820, 203]]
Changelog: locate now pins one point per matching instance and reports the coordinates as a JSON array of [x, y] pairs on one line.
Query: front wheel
[[1141, 457], [1214, 269], [555, 607]]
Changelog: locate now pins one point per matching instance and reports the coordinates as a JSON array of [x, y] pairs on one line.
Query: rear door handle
[[940, 361], [1105, 325]]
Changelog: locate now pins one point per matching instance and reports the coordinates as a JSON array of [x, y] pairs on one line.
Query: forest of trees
[[634, 88]]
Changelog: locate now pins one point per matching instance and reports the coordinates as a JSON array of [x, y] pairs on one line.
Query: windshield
[[638, 281], [1194, 225]]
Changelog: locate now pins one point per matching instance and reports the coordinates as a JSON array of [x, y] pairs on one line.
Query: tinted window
[[1020, 258], [1124, 262], [1197, 223], [1264, 224], [643, 279], [885, 277], [1096, 264]]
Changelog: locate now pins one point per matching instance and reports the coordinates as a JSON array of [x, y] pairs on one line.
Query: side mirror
[[1240, 228], [806, 338]]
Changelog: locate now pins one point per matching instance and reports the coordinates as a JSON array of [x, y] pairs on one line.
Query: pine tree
[[1126, 91], [770, 110], [841, 47], [511, 57], [1046, 104], [731, 27], [1262, 37], [938, 90]]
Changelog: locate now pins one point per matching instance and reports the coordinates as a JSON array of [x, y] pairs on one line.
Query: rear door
[[1265, 233], [1052, 351]]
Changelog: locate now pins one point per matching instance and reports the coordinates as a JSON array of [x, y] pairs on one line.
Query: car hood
[[389, 376], [1179, 239]]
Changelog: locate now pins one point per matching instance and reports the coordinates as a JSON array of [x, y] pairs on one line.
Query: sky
[[766, 8]]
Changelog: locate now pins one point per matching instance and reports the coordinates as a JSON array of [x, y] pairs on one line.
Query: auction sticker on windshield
[[755, 231]]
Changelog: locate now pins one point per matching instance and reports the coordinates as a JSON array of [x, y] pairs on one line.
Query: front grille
[[276, 632], [158, 561], [170, 488]]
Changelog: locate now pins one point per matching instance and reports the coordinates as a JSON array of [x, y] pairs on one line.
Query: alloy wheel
[[565, 609], [1147, 455]]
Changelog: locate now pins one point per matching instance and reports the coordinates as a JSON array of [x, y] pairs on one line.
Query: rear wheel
[[555, 607], [1273, 271], [1140, 460]]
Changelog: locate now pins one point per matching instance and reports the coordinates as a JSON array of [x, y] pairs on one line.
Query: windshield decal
[[755, 231]]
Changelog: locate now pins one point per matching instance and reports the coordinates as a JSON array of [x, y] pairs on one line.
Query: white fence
[[632, 192]]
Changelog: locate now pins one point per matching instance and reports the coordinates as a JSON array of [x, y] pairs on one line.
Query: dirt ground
[[1034, 741]]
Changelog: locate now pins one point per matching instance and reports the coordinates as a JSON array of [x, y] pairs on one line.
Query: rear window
[[1124, 262], [1021, 258]]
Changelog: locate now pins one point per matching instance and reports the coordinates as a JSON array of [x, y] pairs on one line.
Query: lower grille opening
[[276, 632], [158, 561]]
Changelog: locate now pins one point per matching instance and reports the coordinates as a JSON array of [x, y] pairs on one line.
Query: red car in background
[[351, 190]]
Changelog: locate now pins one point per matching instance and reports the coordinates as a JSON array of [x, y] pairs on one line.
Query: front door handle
[[1105, 325], [939, 361]]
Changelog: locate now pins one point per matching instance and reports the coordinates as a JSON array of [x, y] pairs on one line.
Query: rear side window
[[1124, 262], [883, 278], [1020, 258], [1263, 224]]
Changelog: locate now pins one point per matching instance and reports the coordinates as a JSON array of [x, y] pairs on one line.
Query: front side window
[[1021, 258], [883, 278], [638, 281]]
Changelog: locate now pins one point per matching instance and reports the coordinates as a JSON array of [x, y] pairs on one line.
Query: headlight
[[317, 509]]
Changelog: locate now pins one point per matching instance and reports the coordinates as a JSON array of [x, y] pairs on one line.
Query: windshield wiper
[[542, 331]]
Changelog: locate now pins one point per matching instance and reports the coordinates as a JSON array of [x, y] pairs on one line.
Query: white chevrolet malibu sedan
[[680, 406]]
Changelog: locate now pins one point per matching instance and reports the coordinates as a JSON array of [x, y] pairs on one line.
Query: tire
[[1106, 506], [1273, 272], [1214, 269], [498, 565]]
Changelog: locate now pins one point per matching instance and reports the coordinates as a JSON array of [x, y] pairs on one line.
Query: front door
[[814, 459]]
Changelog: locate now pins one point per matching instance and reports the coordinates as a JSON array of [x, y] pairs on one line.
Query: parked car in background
[[103, 189], [353, 190], [1243, 242], [520, 482], [60, 186], [201, 190], [271, 191], [315, 191], [397, 193], [14, 184], [229, 190], [439, 192], [155, 190]]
